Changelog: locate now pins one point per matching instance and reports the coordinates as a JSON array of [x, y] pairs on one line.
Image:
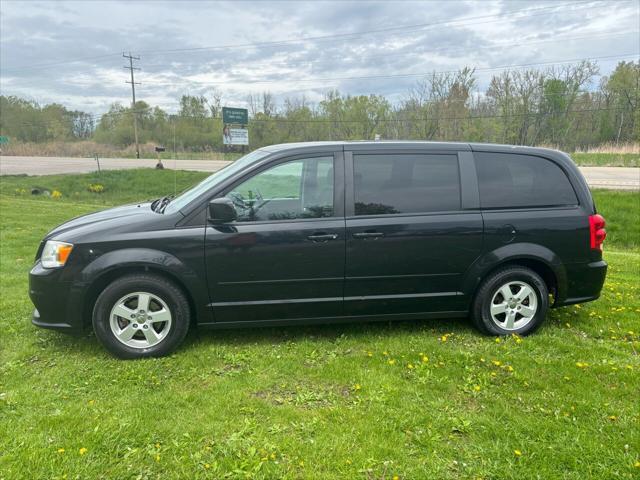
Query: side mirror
[[222, 210]]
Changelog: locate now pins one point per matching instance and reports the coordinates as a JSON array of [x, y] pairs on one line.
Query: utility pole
[[133, 96]]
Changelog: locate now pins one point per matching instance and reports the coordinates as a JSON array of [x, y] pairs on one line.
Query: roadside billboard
[[235, 136], [234, 131]]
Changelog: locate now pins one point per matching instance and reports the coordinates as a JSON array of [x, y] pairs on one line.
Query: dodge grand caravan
[[329, 232]]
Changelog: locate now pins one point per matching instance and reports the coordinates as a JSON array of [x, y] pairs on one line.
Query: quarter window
[[387, 184], [512, 181], [297, 189]]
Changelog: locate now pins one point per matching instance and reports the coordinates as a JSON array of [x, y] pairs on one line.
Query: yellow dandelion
[[509, 368], [82, 451], [207, 466], [61, 450], [396, 477], [157, 458], [91, 402], [348, 462], [497, 363], [272, 456], [582, 364], [391, 361], [443, 338], [410, 366], [498, 340], [613, 418], [357, 387], [517, 453], [424, 359], [477, 388], [637, 464], [369, 354]]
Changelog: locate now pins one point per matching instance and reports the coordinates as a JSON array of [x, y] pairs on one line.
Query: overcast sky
[[71, 52]]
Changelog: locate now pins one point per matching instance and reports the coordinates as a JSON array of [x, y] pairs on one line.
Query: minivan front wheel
[[141, 315], [513, 300]]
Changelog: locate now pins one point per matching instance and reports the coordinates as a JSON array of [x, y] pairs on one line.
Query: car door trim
[[334, 299]]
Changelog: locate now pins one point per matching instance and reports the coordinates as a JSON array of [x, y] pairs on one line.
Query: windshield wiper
[[163, 202]]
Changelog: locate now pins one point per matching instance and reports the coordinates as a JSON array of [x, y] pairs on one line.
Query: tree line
[[557, 106]]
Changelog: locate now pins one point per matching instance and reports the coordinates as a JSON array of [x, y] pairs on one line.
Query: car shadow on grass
[[86, 344], [329, 331]]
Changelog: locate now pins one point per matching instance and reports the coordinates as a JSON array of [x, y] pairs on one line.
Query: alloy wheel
[[513, 305], [140, 320]]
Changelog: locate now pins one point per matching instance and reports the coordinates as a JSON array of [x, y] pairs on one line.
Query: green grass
[[326, 401], [120, 186], [607, 159], [621, 211]]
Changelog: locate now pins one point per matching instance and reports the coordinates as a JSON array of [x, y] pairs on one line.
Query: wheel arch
[[108, 267], [535, 257]]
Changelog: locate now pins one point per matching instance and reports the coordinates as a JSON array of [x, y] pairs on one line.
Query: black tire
[[481, 308], [162, 289]]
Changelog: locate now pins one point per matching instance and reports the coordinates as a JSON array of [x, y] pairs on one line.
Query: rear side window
[[510, 181], [387, 184]]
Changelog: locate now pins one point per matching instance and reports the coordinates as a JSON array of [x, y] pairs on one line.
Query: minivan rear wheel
[[141, 315], [512, 300]]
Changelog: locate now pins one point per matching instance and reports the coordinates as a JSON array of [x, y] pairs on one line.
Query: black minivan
[[328, 232]]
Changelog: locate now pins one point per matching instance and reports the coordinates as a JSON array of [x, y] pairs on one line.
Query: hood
[[125, 213]]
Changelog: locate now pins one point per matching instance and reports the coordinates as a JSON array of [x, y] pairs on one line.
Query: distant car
[[328, 232]]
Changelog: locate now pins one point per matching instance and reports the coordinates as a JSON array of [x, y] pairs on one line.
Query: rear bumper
[[58, 304], [584, 283]]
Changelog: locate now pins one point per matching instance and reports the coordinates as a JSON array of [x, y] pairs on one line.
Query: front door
[[284, 256], [409, 241]]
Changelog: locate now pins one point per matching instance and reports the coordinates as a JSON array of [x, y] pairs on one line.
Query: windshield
[[194, 192]]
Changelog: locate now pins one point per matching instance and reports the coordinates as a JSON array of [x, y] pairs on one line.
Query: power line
[[400, 29], [286, 63], [579, 5], [338, 121], [399, 75], [133, 97]]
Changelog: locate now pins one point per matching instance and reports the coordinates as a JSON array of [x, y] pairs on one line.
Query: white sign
[[235, 136]]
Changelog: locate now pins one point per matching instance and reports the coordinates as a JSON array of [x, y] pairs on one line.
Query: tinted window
[[405, 183], [508, 180], [297, 189]]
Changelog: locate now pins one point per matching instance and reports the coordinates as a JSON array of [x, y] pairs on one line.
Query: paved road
[[619, 178]]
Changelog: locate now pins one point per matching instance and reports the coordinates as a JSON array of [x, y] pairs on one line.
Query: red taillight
[[597, 231]]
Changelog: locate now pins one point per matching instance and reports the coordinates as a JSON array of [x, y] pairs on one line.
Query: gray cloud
[[39, 40]]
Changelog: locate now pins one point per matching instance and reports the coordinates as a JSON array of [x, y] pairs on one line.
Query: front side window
[[510, 181], [405, 183], [297, 189], [211, 181]]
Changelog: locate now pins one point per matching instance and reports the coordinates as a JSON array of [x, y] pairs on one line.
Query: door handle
[[322, 237], [368, 235]]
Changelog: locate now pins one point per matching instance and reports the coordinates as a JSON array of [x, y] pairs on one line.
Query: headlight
[[55, 254]]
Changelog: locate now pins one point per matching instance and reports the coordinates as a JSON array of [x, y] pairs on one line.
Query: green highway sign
[[238, 116], [4, 139]]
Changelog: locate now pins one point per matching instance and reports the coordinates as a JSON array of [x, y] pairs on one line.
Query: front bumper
[[58, 303], [584, 282]]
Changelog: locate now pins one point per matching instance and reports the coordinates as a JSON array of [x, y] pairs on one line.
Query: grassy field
[[426, 399]]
